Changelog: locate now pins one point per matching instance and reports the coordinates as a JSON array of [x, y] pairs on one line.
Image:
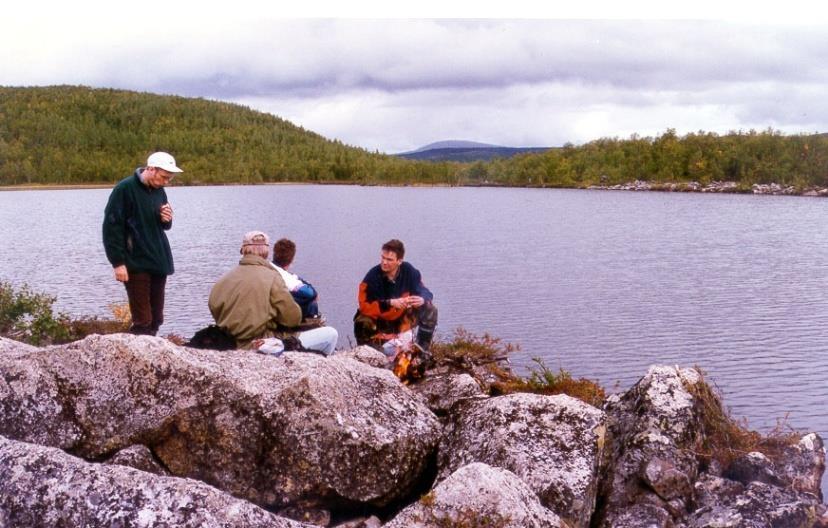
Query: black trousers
[[146, 302]]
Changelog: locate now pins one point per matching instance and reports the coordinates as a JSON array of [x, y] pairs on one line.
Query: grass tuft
[[726, 438]]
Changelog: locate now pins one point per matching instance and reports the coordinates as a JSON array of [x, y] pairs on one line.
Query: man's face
[[389, 263], [157, 178]]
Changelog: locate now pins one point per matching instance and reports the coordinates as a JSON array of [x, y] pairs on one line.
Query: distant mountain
[[451, 144], [465, 151]]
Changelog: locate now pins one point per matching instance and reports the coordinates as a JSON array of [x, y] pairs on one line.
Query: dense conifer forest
[[65, 135]]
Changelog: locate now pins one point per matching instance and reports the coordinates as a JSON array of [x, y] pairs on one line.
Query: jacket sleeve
[[166, 226], [284, 309], [306, 292], [114, 228], [376, 308]]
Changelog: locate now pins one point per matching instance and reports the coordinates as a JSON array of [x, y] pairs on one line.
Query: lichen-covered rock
[[553, 443], [802, 465], [363, 522], [478, 495], [752, 467], [643, 515], [45, 487], [10, 346], [368, 355], [728, 504], [655, 430], [138, 457], [277, 431], [441, 390]]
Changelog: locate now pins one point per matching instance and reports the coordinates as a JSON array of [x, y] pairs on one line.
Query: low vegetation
[[29, 317], [487, 359], [727, 438]]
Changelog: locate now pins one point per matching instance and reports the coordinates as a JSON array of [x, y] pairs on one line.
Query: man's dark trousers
[[146, 302]]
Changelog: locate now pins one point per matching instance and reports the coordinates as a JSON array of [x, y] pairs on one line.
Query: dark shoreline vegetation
[[27, 316], [72, 135]]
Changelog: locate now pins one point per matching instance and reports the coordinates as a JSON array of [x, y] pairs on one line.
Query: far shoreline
[[770, 189]]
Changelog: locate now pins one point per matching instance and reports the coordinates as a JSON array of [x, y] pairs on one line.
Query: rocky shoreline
[[773, 189], [123, 430]]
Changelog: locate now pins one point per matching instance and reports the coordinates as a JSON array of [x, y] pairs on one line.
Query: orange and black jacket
[[376, 292]]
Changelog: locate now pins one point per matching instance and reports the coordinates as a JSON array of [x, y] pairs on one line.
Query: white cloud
[[395, 85]]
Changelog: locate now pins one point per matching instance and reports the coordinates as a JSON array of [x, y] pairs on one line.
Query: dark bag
[[212, 338]]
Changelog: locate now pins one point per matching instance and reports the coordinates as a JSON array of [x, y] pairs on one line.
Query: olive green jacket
[[251, 301]]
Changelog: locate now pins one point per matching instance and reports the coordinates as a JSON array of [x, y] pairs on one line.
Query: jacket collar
[[254, 260]]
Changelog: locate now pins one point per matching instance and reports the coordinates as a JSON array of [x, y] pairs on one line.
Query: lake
[[600, 283]]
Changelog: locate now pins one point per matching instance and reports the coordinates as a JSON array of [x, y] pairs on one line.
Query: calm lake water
[[601, 283]]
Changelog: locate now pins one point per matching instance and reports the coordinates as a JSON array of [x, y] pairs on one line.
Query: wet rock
[[276, 431], [655, 429], [441, 390], [138, 457], [45, 487], [478, 495], [553, 443]]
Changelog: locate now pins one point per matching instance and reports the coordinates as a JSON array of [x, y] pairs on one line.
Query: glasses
[[166, 176]]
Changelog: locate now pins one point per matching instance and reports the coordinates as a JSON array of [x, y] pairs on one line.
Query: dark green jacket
[[133, 233]]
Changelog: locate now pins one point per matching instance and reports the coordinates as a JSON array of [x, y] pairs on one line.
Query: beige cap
[[255, 238]]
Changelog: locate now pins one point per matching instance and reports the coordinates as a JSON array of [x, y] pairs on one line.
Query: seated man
[[392, 300], [251, 302], [302, 291]]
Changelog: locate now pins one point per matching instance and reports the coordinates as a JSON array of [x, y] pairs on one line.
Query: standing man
[[135, 220], [251, 302], [392, 300]]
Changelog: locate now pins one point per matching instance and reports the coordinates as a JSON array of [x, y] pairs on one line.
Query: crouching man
[[252, 302], [392, 301]]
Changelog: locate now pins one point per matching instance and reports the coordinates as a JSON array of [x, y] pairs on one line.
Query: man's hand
[[398, 303], [166, 213], [403, 303], [121, 274], [415, 301]]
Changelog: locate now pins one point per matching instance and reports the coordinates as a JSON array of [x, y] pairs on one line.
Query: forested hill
[[74, 135], [71, 134]]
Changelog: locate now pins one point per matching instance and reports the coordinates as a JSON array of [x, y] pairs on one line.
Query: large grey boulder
[[45, 487], [553, 443], [300, 428], [655, 431], [478, 495]]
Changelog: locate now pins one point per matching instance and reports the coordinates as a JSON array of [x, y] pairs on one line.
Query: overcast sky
[[395, 84]]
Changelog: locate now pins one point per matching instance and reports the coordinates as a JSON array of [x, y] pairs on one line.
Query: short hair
[[283, 252], [396, 246], [262, 251]]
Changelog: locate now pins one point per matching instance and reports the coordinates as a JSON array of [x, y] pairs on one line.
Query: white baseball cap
[[162, 160]]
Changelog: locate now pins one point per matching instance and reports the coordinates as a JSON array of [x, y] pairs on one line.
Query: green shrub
[[27, 316]]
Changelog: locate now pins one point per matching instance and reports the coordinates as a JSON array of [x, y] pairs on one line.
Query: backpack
[[212, 338]]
